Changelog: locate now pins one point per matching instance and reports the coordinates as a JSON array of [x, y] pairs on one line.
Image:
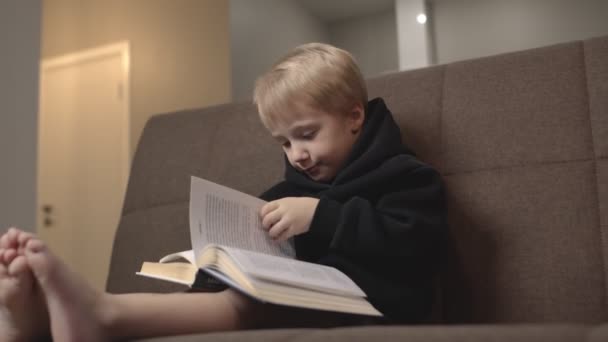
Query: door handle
[[47, 209]]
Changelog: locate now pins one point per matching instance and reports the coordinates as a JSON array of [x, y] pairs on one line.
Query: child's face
[[318, 143]]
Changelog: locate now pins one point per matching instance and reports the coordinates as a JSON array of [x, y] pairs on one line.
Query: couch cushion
[[516, 109], [414, 97], [506, 333], [522, 181], [236, 336], [147, 235], [528, 245], [596, 55], [598, 333], [602, 191], [226, 144]]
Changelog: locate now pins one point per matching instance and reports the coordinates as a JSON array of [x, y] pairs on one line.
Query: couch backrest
[[520, 138]]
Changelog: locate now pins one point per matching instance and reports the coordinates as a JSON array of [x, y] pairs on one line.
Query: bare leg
[[79, 313], [148, 315], [23, 315]]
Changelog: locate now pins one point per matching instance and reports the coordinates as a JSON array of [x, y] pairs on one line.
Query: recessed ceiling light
[[421, 18]]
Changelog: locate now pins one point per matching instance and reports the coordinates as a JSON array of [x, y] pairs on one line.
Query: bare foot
[[23, 315], [76, 310]]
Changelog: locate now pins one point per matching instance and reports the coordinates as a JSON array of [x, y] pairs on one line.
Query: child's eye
[[309, 135], [286, 144]]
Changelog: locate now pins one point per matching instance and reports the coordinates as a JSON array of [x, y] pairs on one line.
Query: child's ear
[[357, 117]]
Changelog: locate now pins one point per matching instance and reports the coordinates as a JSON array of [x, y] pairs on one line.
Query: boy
[[353, 197]]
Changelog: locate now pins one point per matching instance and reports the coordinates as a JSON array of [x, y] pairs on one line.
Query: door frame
[[120, 48]]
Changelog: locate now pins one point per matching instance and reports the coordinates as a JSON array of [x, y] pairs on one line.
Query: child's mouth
[[313, 170]]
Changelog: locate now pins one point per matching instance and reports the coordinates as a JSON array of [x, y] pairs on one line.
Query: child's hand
[[288, 216]]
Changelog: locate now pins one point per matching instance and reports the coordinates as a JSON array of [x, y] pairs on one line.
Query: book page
[[294, 272], [296, 296], [185, 255], [224, 216], [180, 273]]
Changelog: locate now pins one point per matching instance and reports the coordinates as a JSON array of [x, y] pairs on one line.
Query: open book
[[230, 248]]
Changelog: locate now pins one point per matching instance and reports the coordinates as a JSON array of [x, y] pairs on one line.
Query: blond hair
[[314, 75]]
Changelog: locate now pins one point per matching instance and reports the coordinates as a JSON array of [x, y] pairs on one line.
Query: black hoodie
[[381, 220]]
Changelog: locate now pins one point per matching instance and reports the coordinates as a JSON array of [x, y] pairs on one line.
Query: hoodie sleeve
[[277, 191]]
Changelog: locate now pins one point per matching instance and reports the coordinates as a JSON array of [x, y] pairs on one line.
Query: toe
[[18, 266], [35, 245], [14, 230], [38, 259], [3, 271], [9, 255], [23, 238], [12, 235], [4, 240]]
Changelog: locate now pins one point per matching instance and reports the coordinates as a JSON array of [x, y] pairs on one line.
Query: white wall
[[413, 37], [261, 31], [372, 39], [19, 63], [473, 28]]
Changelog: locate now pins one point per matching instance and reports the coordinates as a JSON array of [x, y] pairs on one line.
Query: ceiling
[[335, 10]]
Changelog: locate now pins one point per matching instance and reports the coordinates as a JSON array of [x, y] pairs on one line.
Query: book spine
[[206, 283]]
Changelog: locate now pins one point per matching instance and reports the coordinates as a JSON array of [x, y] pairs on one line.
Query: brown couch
[[522, 142]]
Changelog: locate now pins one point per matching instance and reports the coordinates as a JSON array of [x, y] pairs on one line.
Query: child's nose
[[300, 154]]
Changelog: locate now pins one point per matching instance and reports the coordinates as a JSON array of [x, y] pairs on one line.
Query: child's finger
[[268, 207], [285, 235], [271, 219], [277, 229]]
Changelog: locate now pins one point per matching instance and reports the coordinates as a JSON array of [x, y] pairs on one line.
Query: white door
[[83, 155]]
